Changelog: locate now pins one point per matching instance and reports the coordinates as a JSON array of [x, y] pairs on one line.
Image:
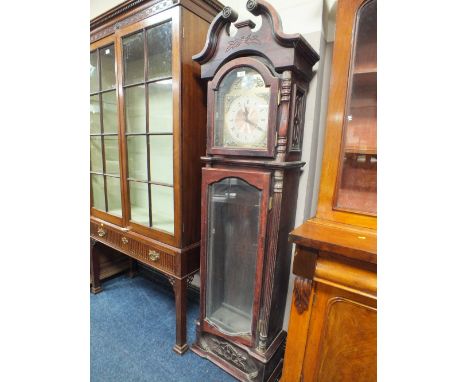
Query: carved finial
[[219, 25], [230, 14], [251, 5]]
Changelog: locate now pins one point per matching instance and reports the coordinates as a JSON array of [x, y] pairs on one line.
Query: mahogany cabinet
[[257, 85], [147, 133], [332, 334]]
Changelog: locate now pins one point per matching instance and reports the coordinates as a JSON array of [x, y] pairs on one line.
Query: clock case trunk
[[289, 59]]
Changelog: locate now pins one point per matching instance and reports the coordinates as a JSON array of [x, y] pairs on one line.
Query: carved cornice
[[114, 12], [302, 290], [147, 12], [293, 52], [143, 9]]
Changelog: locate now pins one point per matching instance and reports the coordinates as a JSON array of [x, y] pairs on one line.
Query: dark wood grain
[[174, 255], [95, 269], [285, 63]]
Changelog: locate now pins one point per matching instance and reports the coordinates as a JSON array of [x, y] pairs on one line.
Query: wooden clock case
[[285, 62]]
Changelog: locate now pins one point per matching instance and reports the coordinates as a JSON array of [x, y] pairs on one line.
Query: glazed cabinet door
[[348, 186], [232, 249], [357, 180], [149, 73], [106, 198]]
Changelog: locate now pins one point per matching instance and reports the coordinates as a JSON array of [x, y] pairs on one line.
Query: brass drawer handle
[[153, 255], [101, 231], [124, 240]]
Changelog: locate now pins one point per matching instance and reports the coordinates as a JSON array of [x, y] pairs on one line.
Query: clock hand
[[253, 124]]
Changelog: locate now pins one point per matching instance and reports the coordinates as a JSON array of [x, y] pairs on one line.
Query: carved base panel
[[237, 361]]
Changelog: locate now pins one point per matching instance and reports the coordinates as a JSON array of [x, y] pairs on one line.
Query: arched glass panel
[[232, 243], [357, 185], [242, 106]]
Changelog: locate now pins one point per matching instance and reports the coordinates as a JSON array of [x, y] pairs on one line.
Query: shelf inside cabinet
[[365, 79], [360, 150], [364, 69]]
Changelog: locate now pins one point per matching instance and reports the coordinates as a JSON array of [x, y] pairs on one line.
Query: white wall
[[98, 7], [315, 20]]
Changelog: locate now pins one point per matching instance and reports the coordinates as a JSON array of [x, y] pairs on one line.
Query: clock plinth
[[257, 86]]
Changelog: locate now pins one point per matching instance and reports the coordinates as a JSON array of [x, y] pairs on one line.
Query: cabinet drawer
[[124, 242], [105, 234], [148, 254]]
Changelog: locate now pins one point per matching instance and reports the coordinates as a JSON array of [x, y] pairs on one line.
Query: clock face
[[242, 109]]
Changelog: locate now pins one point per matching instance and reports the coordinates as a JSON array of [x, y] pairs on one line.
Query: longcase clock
[[258, 82]]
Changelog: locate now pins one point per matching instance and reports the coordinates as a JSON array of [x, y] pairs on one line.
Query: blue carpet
[[133, 332]]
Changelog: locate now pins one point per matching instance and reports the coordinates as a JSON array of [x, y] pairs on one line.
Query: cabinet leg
[[133, 268], [180, 291], [95, 268]]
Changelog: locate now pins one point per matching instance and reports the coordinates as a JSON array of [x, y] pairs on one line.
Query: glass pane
[[97, 186], [135, 110], [94, 115], [241, 120], [162, 204], [139, 212], [107, 57], [357, 188], [133, 53], [113, 196], [110, 116], [137, 159], [234, 216], [160, 106], [160, 51], [161, 158], [96, 154], [93, 73], [111, 151]]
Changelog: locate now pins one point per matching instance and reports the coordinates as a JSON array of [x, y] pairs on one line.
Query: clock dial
[[246, 121], [242, 110]]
